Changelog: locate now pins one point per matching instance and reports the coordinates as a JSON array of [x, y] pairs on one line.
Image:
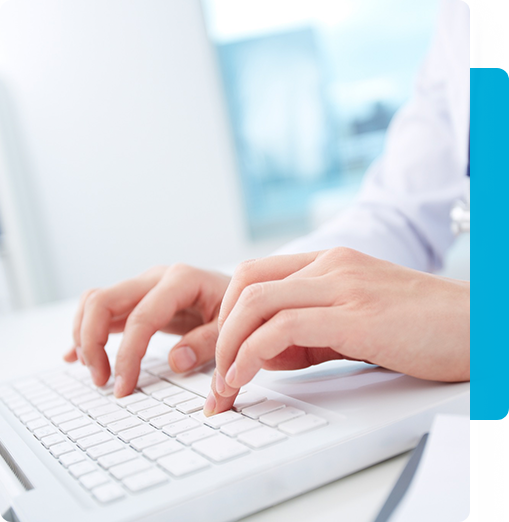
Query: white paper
[[440, 489]]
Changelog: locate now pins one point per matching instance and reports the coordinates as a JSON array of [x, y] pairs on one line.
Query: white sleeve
[[402, 212]]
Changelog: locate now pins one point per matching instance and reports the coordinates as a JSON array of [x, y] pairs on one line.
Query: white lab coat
[[402, 213]]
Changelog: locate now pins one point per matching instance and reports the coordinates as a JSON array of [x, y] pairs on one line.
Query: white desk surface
[[34, 340]]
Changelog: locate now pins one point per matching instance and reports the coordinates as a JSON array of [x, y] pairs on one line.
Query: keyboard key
[[236, 428], [108, 492], [92, 405], [143, 405], [156, 411], [145, 480], [55, 412], [216, 421], [166, 419], [184, 396], [52, 439], [146, 379], [105, 420], [261, 437], [107, 389], [59, 449], [30, 416], [84, 431], [155, 386], [131, 399], [137, 431], [160, 450], [124, 424], [94, 479], [66, 417], [179, 427], [49, 405], [129, 468], [74, 424], [191, 436], [198, 383], [183, 463], [302, 424], [71, 393], [93, 440], [279, 416], [118, 457], [166, 392], [220, 448], [146, 441], [191, 406], [254, 412], [103, 449], [36, 423], [247, 399], [104, 410], [73, 457], [86, 397], [44, 431], [82, 468]]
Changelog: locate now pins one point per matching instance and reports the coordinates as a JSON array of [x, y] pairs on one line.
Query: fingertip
[[70, 356], [209, 407], [119, 389]]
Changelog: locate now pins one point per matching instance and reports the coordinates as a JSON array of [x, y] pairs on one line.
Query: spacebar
[[197, 382]]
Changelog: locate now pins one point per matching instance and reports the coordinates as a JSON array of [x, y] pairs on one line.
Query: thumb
[[195, 348]]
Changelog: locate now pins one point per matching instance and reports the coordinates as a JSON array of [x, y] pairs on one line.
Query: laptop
[[71, 451]]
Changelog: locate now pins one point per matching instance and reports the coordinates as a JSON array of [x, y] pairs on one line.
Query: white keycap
[[93, 440], [156, 411], [44, 431], [137, 431], [179, 427], [73, 457], [103, 449], [84, 431], [145, 480], [36, 423], [113, 459], [236, 428], [59, 449], [155, 386], [191, 436], [107, 389], [82, 468], [66, 417], [166, 419], [55, 412], [124, 424], [74, 392], [146, 441], [261, 437], [216, 421], [92, 405], [279, 416], [104, 410], [44, 398], [160, 450], [52, 439], [131, 399], [105, 420], [156, 367], [129, 468], [183, 463], [86, 397], [146, 379], [142, 405], [30, 416], [247, 399], [166, 392], [254, 412], [191, 406], [302, 424], [48, 406], [198, 383], [220, 448], [108, 492], [178, 398], [199, 416], [74, 424], [94, 479]]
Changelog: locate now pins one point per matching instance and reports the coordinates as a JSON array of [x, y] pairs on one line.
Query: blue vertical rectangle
[[489, 167]]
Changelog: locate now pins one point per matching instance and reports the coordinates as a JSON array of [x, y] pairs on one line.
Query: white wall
[[117, 107]]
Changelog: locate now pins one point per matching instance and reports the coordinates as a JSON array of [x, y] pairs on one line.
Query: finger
[[258, 271], [312, 327], [71, 356], [102, 308], [179, 288], [216, 403], [79, 316], [195, 348], [258, 303]]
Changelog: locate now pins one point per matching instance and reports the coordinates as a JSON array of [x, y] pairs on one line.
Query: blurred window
[[311, 86]]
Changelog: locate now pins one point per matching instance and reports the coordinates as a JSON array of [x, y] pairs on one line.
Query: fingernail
[[210, 405], [119, 386], [220, 385], [184, 358], [230, 375]]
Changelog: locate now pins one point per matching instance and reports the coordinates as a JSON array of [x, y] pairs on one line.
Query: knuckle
[[137, 318], [180, 269], [96, 298], [156, 270], [244, 269], [209, 335], [284, 320], [252, 294]]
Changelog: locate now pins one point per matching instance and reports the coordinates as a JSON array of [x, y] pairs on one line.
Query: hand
[[289, 312], [178, 299]]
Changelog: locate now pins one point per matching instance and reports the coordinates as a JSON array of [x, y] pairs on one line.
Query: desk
[[34, 340]]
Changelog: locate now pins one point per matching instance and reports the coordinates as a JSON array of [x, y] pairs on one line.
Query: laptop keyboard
[[118, 447]]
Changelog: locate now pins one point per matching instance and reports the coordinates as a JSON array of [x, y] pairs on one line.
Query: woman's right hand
[[178, 299]]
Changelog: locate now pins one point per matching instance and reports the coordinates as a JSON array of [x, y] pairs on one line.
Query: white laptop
[[71, 451]]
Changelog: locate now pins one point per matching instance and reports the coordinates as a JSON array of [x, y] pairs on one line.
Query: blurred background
[[144, 132]]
